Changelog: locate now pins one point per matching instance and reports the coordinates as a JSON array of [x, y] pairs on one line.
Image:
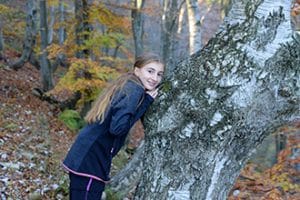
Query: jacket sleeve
[[127, 107]]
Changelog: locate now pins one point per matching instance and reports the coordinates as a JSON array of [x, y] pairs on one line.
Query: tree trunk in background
[[62, 30], [45, 70], [61, 58], [169, 24], [51, 24], [194, 20], [280, 141], [1, 40], [225, 6], [221, 103], [30, 37], [137, 23], [181, 20], [82, 27]]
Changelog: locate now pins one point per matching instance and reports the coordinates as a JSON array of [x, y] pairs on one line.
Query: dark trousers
[[85, 188]]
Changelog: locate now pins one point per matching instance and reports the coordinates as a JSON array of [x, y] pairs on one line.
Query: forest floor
[[32, 139]]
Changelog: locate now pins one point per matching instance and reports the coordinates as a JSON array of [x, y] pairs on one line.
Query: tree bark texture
[[194, 20], [137, 25], [30, 37], [219, 104], [127, 179], [45, 70]]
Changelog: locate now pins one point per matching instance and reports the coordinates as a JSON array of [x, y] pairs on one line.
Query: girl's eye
[[150, 71]]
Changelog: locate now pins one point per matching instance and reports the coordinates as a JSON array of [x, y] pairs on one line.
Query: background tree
[[181, 19], [3, 10], [137, 25], [111, 33], [62, 31], [169, 24], [82, 27], [46, 71], [221, 103], [194, 21], [30, 37], [62, 34], [52, 11], [1, 39], [225, 6]]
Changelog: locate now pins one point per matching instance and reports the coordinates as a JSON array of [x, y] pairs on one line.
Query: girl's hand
[[153, 93]]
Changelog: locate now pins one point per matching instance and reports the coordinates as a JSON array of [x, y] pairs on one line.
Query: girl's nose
[[155, 77]]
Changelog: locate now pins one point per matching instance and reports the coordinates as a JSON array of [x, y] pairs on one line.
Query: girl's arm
[[127, 108]]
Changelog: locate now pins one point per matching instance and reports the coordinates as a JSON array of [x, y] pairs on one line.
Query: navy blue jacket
[[97, 143]]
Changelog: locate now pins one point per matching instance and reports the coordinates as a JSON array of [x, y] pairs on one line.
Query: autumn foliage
[[85, 77], [277, 183]]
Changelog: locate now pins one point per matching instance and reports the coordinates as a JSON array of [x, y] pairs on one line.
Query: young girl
[[108, 122]]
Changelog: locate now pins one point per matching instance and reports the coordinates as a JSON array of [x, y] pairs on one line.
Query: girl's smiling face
[[150, 74]]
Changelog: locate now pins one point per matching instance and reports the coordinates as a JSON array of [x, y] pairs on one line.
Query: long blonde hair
[[98, 110]]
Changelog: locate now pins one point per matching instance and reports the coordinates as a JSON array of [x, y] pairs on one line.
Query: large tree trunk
[[46, 71], [30, 37], [221, 103], [194, 25], [137, 25]]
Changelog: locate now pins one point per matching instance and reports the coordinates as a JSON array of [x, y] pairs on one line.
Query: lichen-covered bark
[[221, 103]]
